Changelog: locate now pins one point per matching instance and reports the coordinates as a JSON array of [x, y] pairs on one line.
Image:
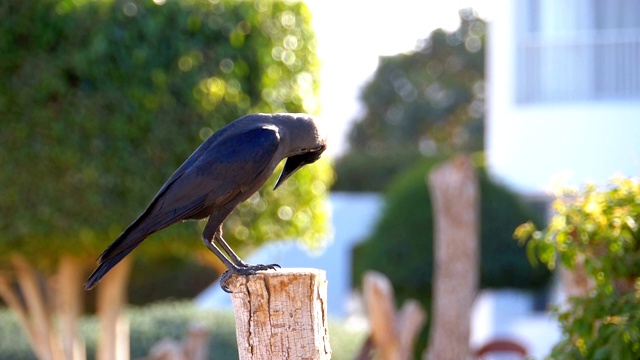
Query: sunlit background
[[354, 34], [539, 92]]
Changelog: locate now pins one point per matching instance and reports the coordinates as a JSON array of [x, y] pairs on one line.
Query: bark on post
[[281, 314], [454, 195]]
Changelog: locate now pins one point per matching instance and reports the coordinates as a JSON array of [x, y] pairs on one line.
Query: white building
[[563, 105], [563, 90]]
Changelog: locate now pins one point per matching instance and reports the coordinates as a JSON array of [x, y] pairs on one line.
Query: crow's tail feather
[[120, 248], [103, 268], [144, 226]]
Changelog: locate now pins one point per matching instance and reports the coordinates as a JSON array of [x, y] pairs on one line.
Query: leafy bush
[[401, 245], [363, 171], [598, 230], [102, 100], [152, 323]]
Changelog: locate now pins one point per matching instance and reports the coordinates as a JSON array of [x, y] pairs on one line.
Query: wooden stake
[[454, 194], [392, 334], [281, 314]]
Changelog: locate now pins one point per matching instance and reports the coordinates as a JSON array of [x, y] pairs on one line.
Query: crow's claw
[[223, 281], [248, 270], [260, 267], [252, 269]]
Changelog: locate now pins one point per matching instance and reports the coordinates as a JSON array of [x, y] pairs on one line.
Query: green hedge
[[401, 245], [152, 323], [363, 171]]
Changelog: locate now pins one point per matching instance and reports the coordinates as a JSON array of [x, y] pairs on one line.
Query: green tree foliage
[[401, 245], [598, 230], [427, 101], [102, 100]]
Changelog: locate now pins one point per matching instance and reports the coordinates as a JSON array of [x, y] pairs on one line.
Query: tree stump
[[454, 194], [281, 314], [393, 334]]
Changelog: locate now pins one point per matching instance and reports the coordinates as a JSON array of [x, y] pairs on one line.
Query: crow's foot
[[247, 270]]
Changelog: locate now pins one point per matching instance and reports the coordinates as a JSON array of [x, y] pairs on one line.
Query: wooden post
[[392, 334], [454, 195], [281, 314]]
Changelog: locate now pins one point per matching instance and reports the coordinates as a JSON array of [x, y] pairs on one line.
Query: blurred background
[[101, 100]]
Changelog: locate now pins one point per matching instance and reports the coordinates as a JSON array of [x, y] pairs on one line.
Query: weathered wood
[[281, 314], [392, 335], [454, 195], [381, 311], [411, 318]]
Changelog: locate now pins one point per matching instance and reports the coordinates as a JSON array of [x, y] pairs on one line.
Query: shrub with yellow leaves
[[597, 229]]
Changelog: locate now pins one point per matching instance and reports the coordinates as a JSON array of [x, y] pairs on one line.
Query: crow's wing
[[234, 165]]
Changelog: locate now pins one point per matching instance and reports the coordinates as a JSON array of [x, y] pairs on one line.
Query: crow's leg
[[208, 242], [211, 235], [234, 264], [242, 267], [235, 259], [217, 238]]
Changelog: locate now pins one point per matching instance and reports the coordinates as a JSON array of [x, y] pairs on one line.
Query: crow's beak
[[296, 162], [292, 165]]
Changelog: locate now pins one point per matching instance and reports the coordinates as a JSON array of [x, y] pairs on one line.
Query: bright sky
[[353, 33]]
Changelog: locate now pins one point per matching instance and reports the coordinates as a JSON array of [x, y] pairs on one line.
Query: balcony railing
[[597, 65]]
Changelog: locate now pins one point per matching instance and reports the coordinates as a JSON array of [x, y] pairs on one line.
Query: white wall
[[530, 145], [508, 314]]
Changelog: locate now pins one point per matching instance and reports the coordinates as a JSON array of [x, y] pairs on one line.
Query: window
[[573, 50]]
